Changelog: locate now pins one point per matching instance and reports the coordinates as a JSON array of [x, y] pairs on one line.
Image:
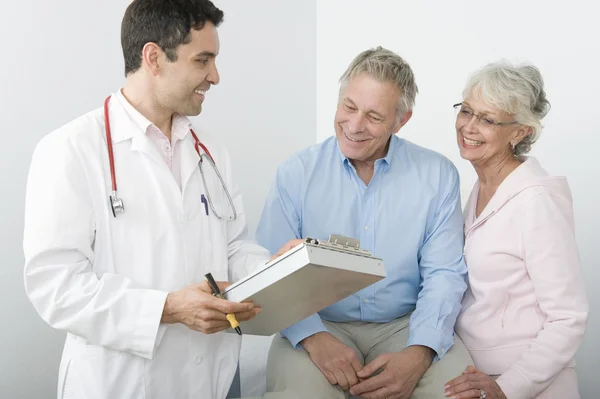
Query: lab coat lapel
[[189, 160], [140, 142], [123, 128]]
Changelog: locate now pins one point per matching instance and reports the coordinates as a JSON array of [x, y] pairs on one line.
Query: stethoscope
[[116, 203]]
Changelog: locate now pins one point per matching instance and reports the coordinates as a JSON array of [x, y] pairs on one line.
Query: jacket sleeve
[[443, 272], [552, 261], [58, 243]]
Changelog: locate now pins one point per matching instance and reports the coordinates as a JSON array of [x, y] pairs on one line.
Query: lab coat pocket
[[205, 235], [106, 373], [215, 194], [220, 352], [64, 388]]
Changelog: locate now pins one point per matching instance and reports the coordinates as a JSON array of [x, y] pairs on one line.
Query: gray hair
[[518, 90], [385, 66]]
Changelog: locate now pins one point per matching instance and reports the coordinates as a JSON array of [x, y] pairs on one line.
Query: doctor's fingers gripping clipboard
[[305, 280]]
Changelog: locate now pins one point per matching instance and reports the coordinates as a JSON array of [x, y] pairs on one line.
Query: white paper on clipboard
[[305, 280]]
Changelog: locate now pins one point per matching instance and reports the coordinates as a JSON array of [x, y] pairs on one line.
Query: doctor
[[125, 214]]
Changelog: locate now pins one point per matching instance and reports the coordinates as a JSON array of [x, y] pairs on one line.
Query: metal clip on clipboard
[[304, 280], [340, 243]]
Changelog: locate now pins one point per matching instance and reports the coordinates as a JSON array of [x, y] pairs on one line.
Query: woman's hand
[[473, 384]]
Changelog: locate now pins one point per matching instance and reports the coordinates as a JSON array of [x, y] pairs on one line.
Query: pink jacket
[[525, 311]]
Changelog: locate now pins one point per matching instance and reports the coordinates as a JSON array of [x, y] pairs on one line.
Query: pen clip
[[203, 199], [212, 284]]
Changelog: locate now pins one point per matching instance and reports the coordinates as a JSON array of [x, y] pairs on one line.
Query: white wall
[[265, 105], [444, 41], [268, 70], [62, 59], [59, 63]]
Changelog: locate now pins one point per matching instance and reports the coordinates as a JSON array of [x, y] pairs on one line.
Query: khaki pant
[[292, 375]]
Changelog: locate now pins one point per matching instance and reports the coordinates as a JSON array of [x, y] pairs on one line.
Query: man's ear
[[402, 121], [152, 57]]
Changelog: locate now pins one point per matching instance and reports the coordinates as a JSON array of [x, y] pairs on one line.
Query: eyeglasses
[[465, 114]]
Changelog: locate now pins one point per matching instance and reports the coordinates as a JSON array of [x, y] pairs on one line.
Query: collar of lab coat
[[127, 123]]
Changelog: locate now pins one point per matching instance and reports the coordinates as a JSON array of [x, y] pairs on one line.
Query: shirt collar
[[385, 161], [181, 125]]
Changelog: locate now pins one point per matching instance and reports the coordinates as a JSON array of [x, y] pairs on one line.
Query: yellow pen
[[217, 292]]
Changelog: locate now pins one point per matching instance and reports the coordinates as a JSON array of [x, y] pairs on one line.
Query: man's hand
[[197, 308], [286, 247], [400, 373], [338, 362], [471, 383]]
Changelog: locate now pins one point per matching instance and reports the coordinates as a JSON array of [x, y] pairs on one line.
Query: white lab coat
[[104, 280]]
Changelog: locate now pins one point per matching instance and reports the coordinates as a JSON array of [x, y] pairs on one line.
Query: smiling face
[[480, 139], [366, 117], [183, 83]]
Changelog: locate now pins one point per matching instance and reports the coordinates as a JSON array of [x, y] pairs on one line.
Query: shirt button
[[167, 147], [198, 360], [366, 227], [367, 300]]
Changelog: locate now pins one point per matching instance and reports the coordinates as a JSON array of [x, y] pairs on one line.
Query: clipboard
[[304, 280]]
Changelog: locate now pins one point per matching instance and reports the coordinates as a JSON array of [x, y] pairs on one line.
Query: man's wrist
[[169, 315], [307, 343], [426, 354]]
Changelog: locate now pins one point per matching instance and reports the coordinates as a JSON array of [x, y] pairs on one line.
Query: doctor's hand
[[196, 307], [286, 247], [337, 361]]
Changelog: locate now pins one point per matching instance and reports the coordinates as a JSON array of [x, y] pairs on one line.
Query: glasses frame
[[479, 116]]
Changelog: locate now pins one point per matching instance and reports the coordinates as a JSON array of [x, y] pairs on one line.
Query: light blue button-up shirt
[[409, 215]]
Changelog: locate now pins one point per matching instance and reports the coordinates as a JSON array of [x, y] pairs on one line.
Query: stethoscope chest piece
[[116, 204]]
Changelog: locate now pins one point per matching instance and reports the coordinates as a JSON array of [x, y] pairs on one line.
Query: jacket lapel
[[124, 128], [141, 143], [469, 211], [189, 160], [511, 186]]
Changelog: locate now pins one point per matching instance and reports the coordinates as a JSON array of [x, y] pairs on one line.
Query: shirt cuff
[[514, 385], [303, 329], [437, 340]]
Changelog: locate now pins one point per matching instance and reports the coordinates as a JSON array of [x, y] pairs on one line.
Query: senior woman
[[525, 311]]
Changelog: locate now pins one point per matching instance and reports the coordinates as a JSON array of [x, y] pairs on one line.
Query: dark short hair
[[168, 23]]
